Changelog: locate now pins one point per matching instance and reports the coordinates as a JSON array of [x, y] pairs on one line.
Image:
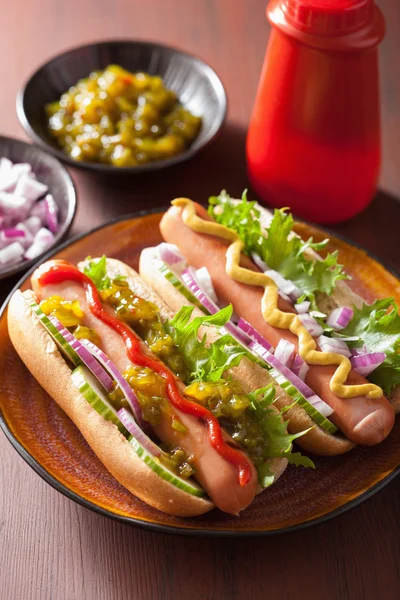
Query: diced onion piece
[[27, 237], [312, 326], [320, 405], [129, 422], [340, 317], [39, 211], [8, 177], [33, 224], [11, 233], [22, 169], [300, 367], [333, 345], [259, 262], [285, 352], [31, 189], [14, 206], [11, 254], [302, 307], [366, 363], [204, 280], [284, 296], [121, 381], [84, 354], [254, 334], [51, 213], [41, 242], [171, 256]]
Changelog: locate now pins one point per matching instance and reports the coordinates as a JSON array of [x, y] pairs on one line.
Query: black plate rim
[[72, 205], [174, 529], [110, 169]]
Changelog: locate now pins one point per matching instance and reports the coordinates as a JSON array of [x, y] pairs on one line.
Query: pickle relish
[[70, 314]]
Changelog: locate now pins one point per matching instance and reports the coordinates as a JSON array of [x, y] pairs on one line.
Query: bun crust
[[40, 354], [316, 441]]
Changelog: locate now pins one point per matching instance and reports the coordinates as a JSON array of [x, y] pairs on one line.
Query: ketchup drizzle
[[59, 272]]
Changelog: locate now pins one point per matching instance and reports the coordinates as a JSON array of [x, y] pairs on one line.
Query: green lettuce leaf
[[97, 271], [274, 246], [278, 440], [205, 363], [378, 327]]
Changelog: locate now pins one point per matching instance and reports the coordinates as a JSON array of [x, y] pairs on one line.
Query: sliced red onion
[[302, 307], [286, 372], [283, 284], [92, 364], [297, 293], [11, 254], [189, 279], [335, 345], [121, 382], [128, 420], [300, 367], [205, 282], [340, 317], [171, 256], [357, 351], [321, 406], [51, 213], [254, 335], [31, 189], [366, 363], [259, 262], [312, 326], [285, 352], [41, 242]]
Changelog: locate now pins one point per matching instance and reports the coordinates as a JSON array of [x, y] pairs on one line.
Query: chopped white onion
[[333, 345], [312, 326], [368, 362], [285, 352], [300, 367], [340, 317], [31, 189], [302, 307], [11, 254], [41, 242]]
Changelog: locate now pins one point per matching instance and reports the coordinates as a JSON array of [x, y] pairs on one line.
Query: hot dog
[[362, 419], [116, 315]]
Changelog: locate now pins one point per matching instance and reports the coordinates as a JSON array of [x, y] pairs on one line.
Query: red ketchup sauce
[[67, 272]]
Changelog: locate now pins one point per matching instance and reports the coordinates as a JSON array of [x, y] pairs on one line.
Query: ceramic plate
[[54, 448]]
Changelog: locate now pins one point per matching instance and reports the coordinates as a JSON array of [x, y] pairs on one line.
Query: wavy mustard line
[[269, 306]]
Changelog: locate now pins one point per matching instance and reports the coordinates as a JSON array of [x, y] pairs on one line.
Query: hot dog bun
[[143, 286], [41, 356], [250, 374]]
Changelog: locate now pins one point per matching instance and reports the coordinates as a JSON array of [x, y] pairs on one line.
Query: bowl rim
[[213, 77], [71, 210], [176, 529]]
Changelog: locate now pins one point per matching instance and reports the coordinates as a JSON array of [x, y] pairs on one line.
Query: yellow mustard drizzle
[[269, 306]]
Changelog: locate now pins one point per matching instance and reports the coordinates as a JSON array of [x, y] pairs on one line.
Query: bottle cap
[[328, 17], [329, 24]]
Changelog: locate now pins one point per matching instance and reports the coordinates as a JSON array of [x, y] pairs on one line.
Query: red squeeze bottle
[[314, 138]]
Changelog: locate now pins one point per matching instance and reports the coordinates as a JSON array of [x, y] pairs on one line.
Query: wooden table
[[53, 549]]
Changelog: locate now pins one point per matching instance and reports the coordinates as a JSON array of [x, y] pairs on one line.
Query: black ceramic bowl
[[55, 176], [196, 84]]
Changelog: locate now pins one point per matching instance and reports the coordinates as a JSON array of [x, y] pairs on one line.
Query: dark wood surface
[[52, 549]]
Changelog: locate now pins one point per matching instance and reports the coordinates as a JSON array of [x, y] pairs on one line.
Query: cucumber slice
[[177, 283], [294, 393], [64, 346], [190, 487], [90, 390]]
